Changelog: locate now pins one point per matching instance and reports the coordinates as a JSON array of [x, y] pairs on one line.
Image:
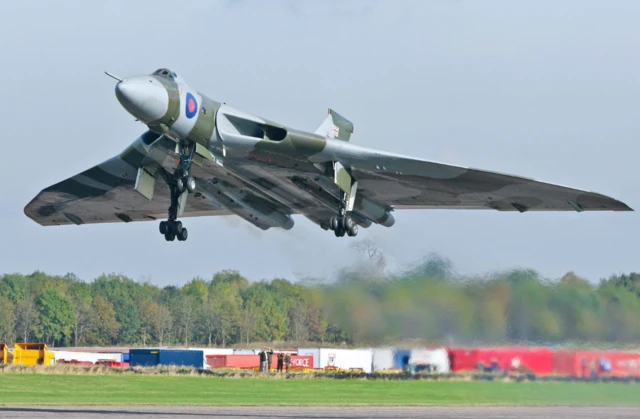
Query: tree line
[[429, 302]]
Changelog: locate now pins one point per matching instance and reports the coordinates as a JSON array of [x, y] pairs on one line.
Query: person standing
[[287, 362], [280, 361], [263, 360], [269, 359]]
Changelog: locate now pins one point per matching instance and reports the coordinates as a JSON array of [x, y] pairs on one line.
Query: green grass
[[42, 389]]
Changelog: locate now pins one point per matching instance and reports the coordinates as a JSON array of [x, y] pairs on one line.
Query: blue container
[[401, 358], [143, 357], [182, 357], [125, 357], [153, 357]]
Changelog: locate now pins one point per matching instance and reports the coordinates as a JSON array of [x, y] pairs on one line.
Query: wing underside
[[402, 183], [102, 195]]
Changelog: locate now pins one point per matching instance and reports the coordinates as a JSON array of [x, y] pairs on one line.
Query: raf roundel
[[191, 106]]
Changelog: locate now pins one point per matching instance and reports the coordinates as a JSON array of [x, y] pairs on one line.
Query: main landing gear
[[181, 183], [173, 229], [343, 223]]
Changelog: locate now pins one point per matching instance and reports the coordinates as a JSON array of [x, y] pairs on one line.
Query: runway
[[126, 412]]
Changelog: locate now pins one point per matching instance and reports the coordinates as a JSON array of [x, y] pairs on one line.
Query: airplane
[[200, 157]]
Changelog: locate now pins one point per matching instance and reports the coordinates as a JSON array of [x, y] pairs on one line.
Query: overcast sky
[[543, 89]]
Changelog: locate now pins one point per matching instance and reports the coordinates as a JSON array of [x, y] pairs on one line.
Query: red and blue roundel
[[191, 107]]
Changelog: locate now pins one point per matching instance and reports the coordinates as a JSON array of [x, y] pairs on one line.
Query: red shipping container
[[253, 361], [510, 359], [233, 361], [299, 362], [462, 359], [597, 363], [536, 360]]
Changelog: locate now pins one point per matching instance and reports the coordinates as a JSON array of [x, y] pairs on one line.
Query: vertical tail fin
[[335, 126]]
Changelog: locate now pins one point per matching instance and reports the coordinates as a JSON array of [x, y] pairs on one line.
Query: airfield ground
[[129, 390]]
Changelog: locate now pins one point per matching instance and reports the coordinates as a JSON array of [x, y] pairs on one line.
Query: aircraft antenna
[[113, 76]]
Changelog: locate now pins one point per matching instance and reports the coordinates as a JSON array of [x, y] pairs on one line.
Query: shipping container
[[312, 352], [32, 354], [462, 359], [401, 358], [253, 361], [340, 358], [436, 359], [382, 359], [508, 359], [596, 363], [92, 357], [153, 357], [234, 361]]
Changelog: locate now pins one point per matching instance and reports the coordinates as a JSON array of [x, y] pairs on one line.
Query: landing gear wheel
[[339, 232], [176, 227], [180, 185], [333, 224], [348, 223], [163, 227], [169, 237], [183, 235], [353, 231], [191, 184]]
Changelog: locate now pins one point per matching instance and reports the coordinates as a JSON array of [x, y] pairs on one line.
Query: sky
[[543, 89]]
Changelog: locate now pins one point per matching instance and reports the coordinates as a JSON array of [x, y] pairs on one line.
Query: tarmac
[[498, 412]]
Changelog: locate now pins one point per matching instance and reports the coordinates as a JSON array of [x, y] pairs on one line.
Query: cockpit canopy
[[166, 73]]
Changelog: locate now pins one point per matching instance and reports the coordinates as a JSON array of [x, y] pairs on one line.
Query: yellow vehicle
[[32, 354], [5, 354]]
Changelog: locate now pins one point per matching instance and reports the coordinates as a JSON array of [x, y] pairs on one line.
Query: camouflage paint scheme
[[265, 172]]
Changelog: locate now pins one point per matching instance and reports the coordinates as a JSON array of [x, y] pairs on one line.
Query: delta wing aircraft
[[200, 157]]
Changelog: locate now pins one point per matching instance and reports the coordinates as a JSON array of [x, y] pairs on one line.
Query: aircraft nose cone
[[143, 97]]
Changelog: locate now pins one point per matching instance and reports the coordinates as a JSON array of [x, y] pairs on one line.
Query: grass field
[[27, 389]]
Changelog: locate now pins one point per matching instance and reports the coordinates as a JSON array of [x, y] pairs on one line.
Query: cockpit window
[[166, 73]]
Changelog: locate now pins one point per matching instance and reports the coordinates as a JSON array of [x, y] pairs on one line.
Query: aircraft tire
[[169, 237], [353, 231], [175, 227], [179, 185], [191, 184], [184, 234], [163, 227], [348, 223], [333, 223]]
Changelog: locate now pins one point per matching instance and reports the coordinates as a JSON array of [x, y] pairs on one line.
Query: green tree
[[103, 326], [27, 319], [7, 320], [15, 287], [81, 298], [56, 317], [121, 292]]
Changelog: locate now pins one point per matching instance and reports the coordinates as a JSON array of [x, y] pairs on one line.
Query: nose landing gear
[[186, 181]]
